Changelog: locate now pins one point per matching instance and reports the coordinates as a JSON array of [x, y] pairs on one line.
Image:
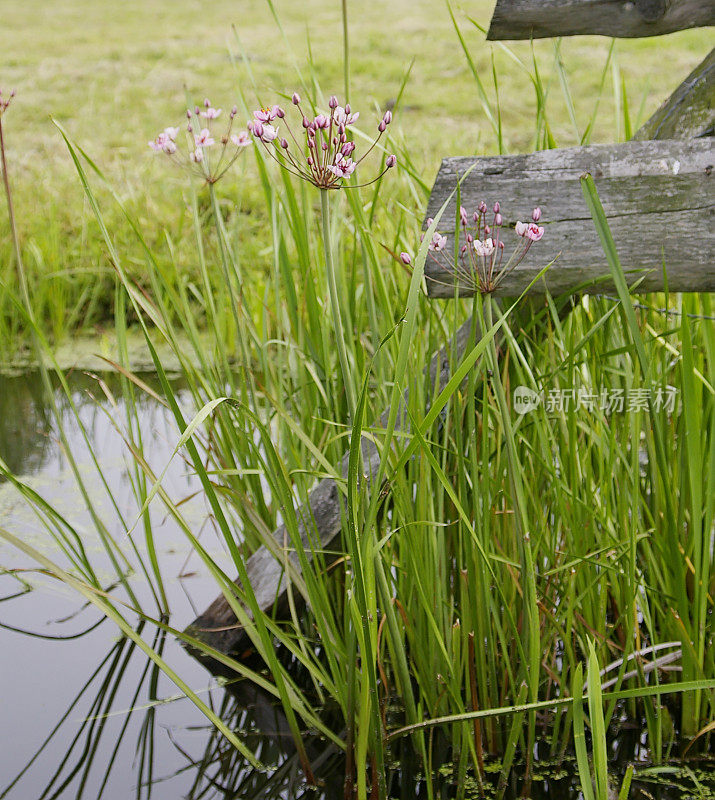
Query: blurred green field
[[114, 74]]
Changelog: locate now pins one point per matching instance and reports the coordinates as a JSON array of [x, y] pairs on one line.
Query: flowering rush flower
[[206, 152], [5, 101], [323, 153], [480, 263]]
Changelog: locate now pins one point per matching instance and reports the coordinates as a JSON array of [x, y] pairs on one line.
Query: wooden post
[[537, 19]]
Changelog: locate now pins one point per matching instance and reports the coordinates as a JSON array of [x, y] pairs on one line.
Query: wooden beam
[[537, 19], [658, 196], [689, 113]]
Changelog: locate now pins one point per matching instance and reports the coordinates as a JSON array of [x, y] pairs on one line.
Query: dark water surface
[[66, 670], [85, 714]]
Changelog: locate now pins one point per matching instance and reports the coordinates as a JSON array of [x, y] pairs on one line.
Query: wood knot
[[651, 10]]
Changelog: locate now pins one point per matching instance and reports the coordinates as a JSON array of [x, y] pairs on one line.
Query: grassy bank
[[114, 76]]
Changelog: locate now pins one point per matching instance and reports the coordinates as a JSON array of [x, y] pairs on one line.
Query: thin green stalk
[[346, 51], [524, 533], [227, 263], [335, 304]]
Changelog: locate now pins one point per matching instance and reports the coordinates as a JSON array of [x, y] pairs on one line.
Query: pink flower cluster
[[481, 263], [202, 142], [325, 157], [5, 101]]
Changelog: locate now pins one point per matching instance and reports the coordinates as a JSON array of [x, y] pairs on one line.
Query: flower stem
[[346, 51], [335, 304], [228, 266], [13, 226], [523, 533]]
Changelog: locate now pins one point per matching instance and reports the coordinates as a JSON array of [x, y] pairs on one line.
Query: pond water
[[85, 714], [58, 666]]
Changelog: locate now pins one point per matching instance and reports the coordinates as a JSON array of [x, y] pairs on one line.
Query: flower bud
[[333, 102], [482, 207], [463, 215], [536, 214], [188, 113], [487, 230], [296, 99], [347, 108], [280, 113], [391, 161], [470, 238], [498, 219], [257, 129], [207, 102], [234, 111], [496, 208], [306, 122], [387, 117], [190, 128], [381, 127], [405, 258], [284, 143]]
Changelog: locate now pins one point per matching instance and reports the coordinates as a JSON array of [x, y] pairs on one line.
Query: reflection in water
[[24, 423], [88, 715]]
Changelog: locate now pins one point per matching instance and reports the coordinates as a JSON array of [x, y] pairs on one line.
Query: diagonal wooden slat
[[690, 111]]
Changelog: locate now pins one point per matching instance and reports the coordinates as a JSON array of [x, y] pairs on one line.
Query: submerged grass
[[493, 554]]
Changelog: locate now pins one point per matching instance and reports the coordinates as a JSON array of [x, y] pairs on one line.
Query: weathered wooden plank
[[689, 113], [658, 197], [537, 19], [319, 522]]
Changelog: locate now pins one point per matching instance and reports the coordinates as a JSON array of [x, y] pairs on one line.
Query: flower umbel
[[206, 152], [322, 152], [480, 263], [5, 101]]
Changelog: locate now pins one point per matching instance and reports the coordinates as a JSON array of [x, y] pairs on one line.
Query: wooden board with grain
[[538, 19], [659, 197]]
